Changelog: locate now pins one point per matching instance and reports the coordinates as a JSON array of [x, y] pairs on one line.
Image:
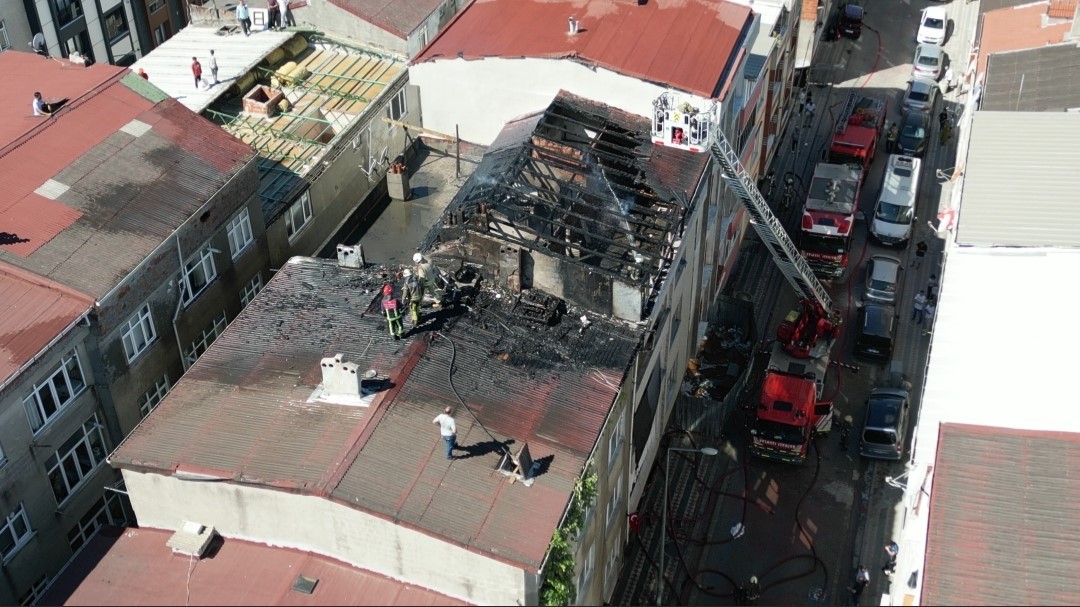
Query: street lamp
[[663, 520]]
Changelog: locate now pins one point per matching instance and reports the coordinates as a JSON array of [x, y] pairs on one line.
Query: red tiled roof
[[685, 44], [1062, 9], [399, 17], [102, 220], [135, 567], [1013, 29], [35, 311], [1004, 518]]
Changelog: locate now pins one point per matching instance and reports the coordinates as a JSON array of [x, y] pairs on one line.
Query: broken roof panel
[[242, 411], [586, 183], [685, 44]]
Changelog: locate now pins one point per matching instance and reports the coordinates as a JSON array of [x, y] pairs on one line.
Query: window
[[616, 499], [298, 215], [618, 435], [5, 43], [73, 462], [423, 37], [154, 395], [67, 10], [614, 552], [107, 511], [138, 333], [398, 107], [62, 387], [239, 231], [155, 6], [34, 594], [116, 24], [587, 567], [15, 533], [162, 33], [200, 345], [251, 290], [198, 273]]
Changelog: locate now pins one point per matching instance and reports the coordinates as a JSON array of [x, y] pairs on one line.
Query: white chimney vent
[[193, 539], [350, 257], [340, 378], [574, 26]]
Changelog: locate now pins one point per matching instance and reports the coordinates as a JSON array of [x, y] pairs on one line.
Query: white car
[[932, 26]]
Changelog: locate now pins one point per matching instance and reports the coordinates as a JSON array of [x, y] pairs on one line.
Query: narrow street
[[802, 530]]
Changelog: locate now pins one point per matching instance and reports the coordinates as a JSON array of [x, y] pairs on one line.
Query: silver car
[[884, 276], [928, 62], [885, 428], [921, 94]]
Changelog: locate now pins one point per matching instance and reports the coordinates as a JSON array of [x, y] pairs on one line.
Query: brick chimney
[[262, 101]]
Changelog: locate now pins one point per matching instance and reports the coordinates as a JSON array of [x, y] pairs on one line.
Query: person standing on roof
[[448, 430], [196, 69], [287, 19], [213, 66], [393, 313], [428, 275], [243, 15], [413, 295]]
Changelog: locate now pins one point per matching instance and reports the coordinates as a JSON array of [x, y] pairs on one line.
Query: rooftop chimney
[[340, 378], [350, 257], [574, 25]]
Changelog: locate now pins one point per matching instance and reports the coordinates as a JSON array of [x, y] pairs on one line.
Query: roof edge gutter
[[84, 317]]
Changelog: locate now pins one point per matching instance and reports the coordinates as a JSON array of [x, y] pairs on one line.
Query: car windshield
[[782, 433], [918, 95], [881, 285], [879, 437], [928, 61], [894, 213], [934, 23], [915, 131], [823, 245]]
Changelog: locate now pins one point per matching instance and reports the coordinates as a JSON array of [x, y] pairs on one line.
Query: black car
[[876, 326], [850, 20], [914, 133]]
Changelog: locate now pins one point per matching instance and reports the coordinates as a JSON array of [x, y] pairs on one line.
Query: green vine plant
[[560, 587]]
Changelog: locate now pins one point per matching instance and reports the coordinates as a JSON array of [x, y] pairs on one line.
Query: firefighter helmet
[[387, 290], [417, 258], [407, 273]]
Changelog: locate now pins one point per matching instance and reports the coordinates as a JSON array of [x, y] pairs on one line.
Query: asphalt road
[[807, 527]]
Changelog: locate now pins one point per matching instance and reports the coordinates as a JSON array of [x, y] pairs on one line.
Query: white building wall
[[319, 525], [499, 90]]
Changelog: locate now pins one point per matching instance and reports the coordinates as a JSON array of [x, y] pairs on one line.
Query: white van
[[895, 211]]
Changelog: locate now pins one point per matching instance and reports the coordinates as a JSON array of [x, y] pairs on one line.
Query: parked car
[[932, 26], [921, 95], [894, 213], [914, 133], [885, 429], [876, 326], [850, 20], [929, 62], [884, 279]]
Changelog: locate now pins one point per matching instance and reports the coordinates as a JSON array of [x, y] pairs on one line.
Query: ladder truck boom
[[784, 252]]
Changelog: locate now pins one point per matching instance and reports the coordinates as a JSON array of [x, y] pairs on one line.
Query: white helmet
[[407, 273], [417, 258]]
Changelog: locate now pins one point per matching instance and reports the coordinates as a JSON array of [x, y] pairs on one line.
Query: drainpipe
[[179, 304]]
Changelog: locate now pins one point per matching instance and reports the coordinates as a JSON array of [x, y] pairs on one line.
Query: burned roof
[[582, 181], [91, 190], [528, 369]]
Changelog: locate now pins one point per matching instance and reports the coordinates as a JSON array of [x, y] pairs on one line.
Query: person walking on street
[[890, 138], [448, 430], [795, 140], [932, 287], [802, 100], [918, 306], [920, 252], [950, 82], [196, 69], [862, 578], [942, 118], [393, 312], [892, 550], [413, 295], [945, 134], [931, 308], [213, 66], [810, 108], [243, 15]]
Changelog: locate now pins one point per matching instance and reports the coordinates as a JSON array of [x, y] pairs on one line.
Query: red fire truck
[[858, 131], [828, 218], [790, 410]]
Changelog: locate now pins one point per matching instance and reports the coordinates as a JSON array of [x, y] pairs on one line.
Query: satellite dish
[[38, 44]]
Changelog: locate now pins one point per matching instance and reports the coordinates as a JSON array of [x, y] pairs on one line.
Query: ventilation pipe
[[574, 26]]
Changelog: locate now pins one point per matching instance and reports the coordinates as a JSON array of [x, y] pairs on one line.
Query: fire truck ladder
[[768, 227], [845, 114]]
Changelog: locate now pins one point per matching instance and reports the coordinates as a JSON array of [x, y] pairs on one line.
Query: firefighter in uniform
[[428, 276], [393, 314], [413, 294]]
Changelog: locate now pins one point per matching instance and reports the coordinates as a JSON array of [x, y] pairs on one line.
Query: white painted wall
[[500, 89], [319, 525]]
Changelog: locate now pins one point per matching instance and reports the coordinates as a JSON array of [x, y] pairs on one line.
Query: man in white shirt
[[40, 107], [448, 429]]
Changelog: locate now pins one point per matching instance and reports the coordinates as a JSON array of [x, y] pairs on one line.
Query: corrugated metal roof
[[1036, 80], [135, 567], [1011, 29], [398, 17], [1004, 518], [36, 311], [1021, 181], [684, 44], [104, 219], [241, 411]]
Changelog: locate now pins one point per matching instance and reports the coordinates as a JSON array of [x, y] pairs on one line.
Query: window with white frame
[[76, 459], [35, 592], [154, 395], [616, 499], [587, 567], [107, 511], [239, 231], [423, 37], [207, 337], [199, 271], [398, 107], [48, 398], [251, 290], [138, 333], [298, 215], [5, 43], [15, 533], [615, 441]]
